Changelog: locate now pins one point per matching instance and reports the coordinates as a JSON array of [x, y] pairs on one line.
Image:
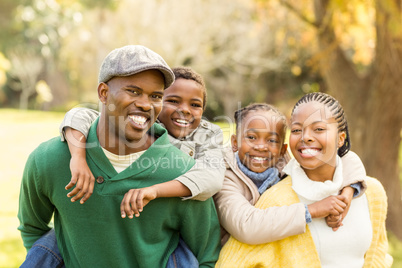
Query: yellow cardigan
[[299, 250]]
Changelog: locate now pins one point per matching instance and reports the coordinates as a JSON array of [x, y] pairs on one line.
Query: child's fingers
[[125, 205], [76, 190], [86, 180], [140, 203], [337, 210], [83, 190], [89, 190], [125, 208], [72, 182], [342, 203], [122, 206], [340, 206], [133, 202]]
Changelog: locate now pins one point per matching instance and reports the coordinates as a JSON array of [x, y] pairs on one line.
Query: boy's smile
[[182, 107], [259, 141]]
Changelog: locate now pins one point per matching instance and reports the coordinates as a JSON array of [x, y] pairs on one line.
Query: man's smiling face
[[133, 104]]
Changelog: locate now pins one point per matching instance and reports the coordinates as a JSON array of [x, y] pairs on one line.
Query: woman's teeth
[[311, 152]]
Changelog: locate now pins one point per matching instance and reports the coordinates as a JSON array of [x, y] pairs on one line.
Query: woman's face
[[259, 140], [314, 138]]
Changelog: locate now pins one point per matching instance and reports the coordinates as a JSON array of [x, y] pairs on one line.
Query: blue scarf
[[263, 180]]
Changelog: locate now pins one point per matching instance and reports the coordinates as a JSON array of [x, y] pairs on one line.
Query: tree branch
[[298, 13]]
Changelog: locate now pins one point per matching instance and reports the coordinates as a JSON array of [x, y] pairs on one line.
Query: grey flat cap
[[132, 59]]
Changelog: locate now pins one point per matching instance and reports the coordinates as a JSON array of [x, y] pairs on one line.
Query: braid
[[337, 111], [243, 112]]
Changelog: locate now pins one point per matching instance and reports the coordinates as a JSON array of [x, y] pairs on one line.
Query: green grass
[[20, 133]]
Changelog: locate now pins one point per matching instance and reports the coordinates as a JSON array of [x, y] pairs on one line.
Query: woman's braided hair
[[337, 111]]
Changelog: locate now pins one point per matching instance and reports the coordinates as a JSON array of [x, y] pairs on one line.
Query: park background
[[270, 51]]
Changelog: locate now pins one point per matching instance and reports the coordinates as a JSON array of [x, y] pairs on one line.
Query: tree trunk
[[370, 101]]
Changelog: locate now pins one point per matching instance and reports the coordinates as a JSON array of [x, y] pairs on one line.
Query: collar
[[95, 152], [313, 190]]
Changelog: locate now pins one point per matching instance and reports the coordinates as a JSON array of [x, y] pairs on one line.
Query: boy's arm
[[200, 230], [136, 199], [81, 175], [80, 119], [74, 129], [205, 178], [201, 182], [35, 209]]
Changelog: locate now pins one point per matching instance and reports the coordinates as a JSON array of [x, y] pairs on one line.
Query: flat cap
[[132, 59]]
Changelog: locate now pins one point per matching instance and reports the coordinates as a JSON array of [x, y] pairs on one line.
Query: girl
[[319, 137]]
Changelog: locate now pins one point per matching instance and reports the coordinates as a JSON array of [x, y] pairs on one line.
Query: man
[[131, 84]]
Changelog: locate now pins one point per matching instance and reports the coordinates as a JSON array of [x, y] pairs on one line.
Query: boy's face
[[132, 103], [182, 107], [259, 140]]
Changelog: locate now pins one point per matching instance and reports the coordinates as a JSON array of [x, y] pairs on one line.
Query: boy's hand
[[332, 205], [82, 178], [336, 221], [136, 199]]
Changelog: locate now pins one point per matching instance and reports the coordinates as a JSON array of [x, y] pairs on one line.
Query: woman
[[319, 136]]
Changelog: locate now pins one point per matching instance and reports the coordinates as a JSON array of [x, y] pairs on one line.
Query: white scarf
[[314, 190]]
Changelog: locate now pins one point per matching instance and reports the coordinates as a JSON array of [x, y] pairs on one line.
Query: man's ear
[[341, 139], [103, 90], [284, 148], [233, 140]]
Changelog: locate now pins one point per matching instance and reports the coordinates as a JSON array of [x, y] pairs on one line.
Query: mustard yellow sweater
[[299, 250]]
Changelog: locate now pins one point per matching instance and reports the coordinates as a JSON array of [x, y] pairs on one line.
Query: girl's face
[[314, 138], [182, 107], [259, 140]]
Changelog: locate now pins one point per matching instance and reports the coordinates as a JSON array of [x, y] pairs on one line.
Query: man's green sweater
[[94, 234]]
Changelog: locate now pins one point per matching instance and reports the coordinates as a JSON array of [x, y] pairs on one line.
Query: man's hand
[[82, 178], [332, 205], [335, 221], [136, 199]]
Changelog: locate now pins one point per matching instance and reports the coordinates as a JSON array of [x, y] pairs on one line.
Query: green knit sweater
[[94, 234]]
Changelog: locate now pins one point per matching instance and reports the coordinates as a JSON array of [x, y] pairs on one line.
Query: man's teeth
[[138, 119], [309, 151]]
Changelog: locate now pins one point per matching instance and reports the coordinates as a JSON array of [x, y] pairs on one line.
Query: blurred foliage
[[72, 37], [260, 53], [395, 249]]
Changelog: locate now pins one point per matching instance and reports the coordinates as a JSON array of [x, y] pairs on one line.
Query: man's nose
[[143, 103]]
